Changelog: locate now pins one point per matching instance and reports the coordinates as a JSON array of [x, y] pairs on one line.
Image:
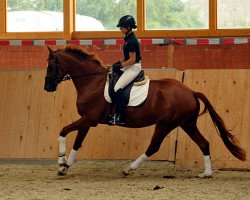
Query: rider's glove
[[117, 66]]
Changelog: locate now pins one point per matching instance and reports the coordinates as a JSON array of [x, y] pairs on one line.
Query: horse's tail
[[229, 140]]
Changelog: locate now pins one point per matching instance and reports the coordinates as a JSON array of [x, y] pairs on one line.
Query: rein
[[69, 77]]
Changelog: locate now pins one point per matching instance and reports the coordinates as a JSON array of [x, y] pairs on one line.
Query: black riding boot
[[120, 106]]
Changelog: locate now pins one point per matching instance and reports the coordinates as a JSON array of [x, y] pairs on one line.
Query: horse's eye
[[50, 69], [50, 66]]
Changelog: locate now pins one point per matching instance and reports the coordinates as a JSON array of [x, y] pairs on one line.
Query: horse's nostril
[[47, 88]]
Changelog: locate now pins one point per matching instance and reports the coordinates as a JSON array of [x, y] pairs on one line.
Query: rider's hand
[[108, 67], [117, 66]]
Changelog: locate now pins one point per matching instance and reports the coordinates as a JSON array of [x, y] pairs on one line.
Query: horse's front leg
[[82, 126], [63, 166]]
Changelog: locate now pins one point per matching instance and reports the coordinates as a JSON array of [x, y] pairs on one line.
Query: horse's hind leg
[[197, 137], [161, 131]]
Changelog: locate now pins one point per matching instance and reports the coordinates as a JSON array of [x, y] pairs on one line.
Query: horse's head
[[55, 74], [71, 62]]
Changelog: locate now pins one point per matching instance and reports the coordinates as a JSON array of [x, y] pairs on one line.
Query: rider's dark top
[[131, 45]]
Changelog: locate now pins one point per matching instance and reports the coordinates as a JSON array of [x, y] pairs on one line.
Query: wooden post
[[69, 16], [3, 6]]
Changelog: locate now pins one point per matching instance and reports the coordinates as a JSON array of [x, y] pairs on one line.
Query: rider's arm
[[131, 60]]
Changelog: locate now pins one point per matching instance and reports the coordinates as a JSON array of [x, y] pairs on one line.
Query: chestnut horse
[[169, 104]]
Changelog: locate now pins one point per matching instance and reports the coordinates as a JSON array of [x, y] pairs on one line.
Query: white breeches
[[129, 74]]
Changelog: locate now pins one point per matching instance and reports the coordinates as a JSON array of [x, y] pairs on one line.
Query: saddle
[[113, 78]]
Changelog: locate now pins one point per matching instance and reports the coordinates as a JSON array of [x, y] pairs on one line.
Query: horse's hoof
[[62, 171], [127, 171], [205, 176]]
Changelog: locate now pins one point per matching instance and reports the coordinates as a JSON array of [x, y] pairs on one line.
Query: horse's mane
[[82, 53]]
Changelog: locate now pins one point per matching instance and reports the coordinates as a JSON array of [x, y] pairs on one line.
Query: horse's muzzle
[[48, 89], [49, 86]]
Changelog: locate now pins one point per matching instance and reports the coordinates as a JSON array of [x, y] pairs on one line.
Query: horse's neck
[[89, 84], [89, 80], [87, 76], [78, 67]]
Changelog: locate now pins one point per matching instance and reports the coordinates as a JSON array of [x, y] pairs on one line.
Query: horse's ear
[[50, 50]]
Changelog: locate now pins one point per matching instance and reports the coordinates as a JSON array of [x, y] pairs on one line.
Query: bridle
[[58, 66], [66, 77]]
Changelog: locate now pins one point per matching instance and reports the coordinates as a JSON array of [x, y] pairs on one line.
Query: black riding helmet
[[127, 21]]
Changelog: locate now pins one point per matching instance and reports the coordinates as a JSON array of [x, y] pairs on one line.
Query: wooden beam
[[70, 33], [140, 9], [212, 15], [32, 35], [195, 33], [69, 18], [96, 34], [3, 6]]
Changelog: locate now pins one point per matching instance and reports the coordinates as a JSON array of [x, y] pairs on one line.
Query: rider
[[130, 65]]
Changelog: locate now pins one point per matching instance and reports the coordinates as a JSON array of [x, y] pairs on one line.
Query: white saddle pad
[[138, 94]]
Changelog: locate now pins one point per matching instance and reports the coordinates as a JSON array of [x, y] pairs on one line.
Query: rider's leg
[[119, 109], [128, 75]]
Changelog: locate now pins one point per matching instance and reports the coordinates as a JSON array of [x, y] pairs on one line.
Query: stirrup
[[111, 119], [119, 120], [115, 120]]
